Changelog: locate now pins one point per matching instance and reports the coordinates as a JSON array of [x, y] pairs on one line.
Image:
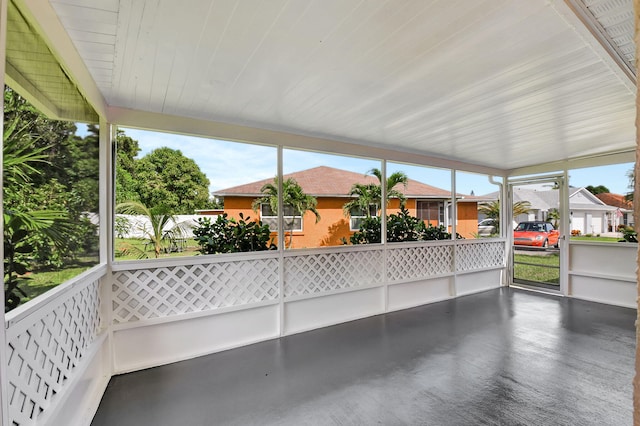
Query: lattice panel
[[43, 355], [323, 272], [162, 292], [479, 255], [408, 263]]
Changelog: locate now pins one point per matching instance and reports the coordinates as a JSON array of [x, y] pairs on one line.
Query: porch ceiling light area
[[34, 72]]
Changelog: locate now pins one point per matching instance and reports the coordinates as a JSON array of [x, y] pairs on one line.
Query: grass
[[537, 273], [40, 281], [599, 239], [133, 248]]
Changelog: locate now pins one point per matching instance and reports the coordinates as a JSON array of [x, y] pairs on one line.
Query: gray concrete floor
[[503, 357]]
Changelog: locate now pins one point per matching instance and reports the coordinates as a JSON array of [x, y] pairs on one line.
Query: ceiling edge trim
[[583, 23], [41, 15], [592, 24], [604, 159], [233, 132]]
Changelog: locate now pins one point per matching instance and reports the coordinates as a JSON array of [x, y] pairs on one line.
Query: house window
[[431, 212], [292, 219], [358, 214]]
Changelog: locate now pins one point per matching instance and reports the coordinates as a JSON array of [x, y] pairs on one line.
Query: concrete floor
[[503, 357]]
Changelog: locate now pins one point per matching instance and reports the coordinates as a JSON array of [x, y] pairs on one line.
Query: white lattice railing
[[329, 271], [414, 261], [201, 285], [163, 289], [472, 255], [46, 345]]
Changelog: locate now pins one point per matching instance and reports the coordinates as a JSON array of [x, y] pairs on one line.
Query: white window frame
[[272, 220], [373, 212]]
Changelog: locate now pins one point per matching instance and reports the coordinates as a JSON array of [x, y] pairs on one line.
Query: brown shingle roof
[[326, 181], [615, 200]]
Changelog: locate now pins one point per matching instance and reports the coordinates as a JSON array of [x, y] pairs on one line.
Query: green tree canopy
[[70, 160], [600, 189], [168, 178], [126, 151]]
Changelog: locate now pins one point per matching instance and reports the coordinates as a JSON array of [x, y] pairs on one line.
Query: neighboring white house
[[589, 215]]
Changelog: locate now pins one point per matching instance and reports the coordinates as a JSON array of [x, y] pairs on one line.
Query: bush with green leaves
[[400, 227], [629, 235], [228, 235]]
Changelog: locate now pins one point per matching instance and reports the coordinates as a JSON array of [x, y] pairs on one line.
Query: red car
[[535, 234]]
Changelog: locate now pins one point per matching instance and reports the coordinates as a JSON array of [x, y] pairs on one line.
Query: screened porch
[[414, 332]]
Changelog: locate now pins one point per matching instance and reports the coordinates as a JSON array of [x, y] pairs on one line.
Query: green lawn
[[133, 248], [537, 273], [40, 281], [598, 239]]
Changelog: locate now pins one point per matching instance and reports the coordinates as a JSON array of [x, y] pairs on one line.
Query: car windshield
[[532, 227]]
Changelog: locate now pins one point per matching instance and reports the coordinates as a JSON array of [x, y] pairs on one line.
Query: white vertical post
[[106, 193], [506, 223], [106, 232], [4, 402], [565, 232], [281, 241], [383, 231], [453, 288]]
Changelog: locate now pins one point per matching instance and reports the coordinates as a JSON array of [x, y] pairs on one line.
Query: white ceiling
[[499, 83]]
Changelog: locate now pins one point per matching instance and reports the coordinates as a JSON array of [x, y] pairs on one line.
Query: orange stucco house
[[331, 188]]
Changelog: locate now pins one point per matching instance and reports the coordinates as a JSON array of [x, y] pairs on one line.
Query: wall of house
[[333, 226], [467, 224]]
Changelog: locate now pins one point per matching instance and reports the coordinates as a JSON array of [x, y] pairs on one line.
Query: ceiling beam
[[233, 132]]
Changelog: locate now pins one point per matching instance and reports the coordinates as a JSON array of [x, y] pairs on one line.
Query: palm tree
[[19, 158], [158, 218], [292, 196], [492, 210], [395, 179], [367, 194]]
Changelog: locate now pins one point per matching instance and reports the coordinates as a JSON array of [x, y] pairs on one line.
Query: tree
[[292, 196], [60, 174], [71, 160], [492, 210], [167, 178], [159, 218], [367, 194], [631, 175], [126, 151], [600, 189], [553, 217], [22, 228]]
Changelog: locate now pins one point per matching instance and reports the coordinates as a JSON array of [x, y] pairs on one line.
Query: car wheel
[[545, 244]]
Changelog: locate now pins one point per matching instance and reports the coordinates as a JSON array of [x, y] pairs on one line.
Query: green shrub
[[227, 235], [400, 227]]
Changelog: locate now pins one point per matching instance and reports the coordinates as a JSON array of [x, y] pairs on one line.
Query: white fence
[[603, 272], [173, 309], [56, 373]]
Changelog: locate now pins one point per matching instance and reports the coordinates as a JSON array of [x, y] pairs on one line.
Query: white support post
[[4, 402], [453, 289], [281, 241], [383, 231], [565, 231], [106, 232]]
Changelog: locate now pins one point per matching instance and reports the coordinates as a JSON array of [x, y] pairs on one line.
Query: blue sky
[[228, 164]]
